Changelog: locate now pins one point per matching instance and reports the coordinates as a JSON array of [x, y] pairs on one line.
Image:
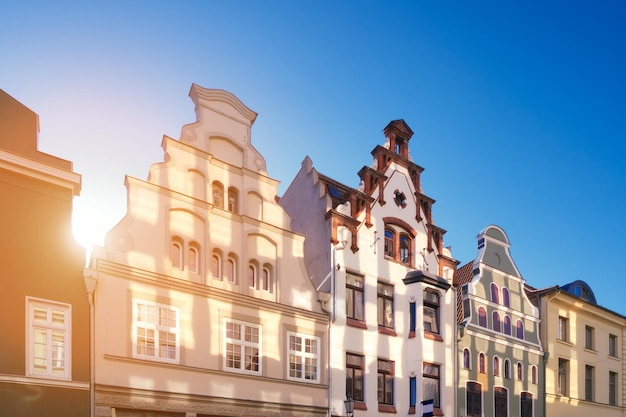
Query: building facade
[[203, 306], [585, 368], [44, 366], [377, 259], [499, 351]]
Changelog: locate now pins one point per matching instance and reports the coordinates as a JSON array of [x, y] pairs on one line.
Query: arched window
[[399, 244], [216, 265], [496, 366], [193, 260], [482, 317], [526, 402], [495, 293], [177, 253], [266, 279], [252, 276], [507, 325], [233, 199], [533, 374], [506, 301], [218, 194], [507, 369], [482, 366], [496, 321], [467, 358], [405, 249], [390, 238], [519, 327], [230, 272], [520, 371]]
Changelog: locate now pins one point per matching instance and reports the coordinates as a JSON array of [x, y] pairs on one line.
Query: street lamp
[[349, 406]]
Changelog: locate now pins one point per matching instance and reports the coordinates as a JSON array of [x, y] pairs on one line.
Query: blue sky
[[518, 108]]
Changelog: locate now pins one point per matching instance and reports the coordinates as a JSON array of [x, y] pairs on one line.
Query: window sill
[[386, 408], [356, 323], [411, 336], [565, 342], [360, 405], [590, 350], [432, 336], [438, 412], [386, 330]]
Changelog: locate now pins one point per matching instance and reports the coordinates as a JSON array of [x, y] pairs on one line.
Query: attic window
[[399, 198], [333, 191]]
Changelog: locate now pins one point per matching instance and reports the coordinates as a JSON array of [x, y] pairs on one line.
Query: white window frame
[[157, 329], [242, 344], [298, 357], [49, 326]]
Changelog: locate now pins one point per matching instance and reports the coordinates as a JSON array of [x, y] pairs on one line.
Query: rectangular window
[[385, 381], [412, 394], [242, 346], [613, 345], [304, 353], [473, 400], [563, 377], [501, 402], [354, 296], [49, 338], [526, 404], [563, 325], [156, 330], [613, 388], [412, 319], [431, 311], [354, 376], [589, 337], [385, 305], [589, 371], [431, 384]]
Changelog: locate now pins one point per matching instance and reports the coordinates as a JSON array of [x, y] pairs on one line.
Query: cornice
[[40, 171]]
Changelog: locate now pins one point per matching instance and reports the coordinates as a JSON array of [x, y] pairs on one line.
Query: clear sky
[[518, 108]]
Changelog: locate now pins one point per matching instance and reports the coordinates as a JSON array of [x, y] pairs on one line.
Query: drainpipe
[[90, 277], [331, 320]]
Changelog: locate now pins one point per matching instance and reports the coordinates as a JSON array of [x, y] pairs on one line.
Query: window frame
[[157, 329], [527, 404], [242, 344], [231, 263], [495, 293], [613, 345], [303, 355], [467, 359], [384, 301], [563, 329], [500, 401], [482, 363], [519, 329], [398, 244], [589, 338], [473, 399], [386, 375], [217, 194], [216, 266], [354, 292], [589, 382], [482, 318], [563, 377], [49, 327], [176, 253], [355, 372], [496, 324], [507, 369], [506, 297], [613, 385], [193, 262], [432, 372], [496, 366], [434, 307]]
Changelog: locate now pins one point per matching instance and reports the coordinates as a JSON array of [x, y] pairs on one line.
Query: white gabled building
[[203, 306], [377, 259]]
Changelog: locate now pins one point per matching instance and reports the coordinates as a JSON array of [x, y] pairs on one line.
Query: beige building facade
[[203, 304], [585, 367], [378, 261]]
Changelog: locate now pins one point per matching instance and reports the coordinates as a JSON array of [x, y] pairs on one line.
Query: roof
[[462, 275]]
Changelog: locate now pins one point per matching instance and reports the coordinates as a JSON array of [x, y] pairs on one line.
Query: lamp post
[[349, 402]]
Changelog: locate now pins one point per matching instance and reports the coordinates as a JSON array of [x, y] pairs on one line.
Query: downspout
[[90, 278], [546, 353], [332, 318]]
